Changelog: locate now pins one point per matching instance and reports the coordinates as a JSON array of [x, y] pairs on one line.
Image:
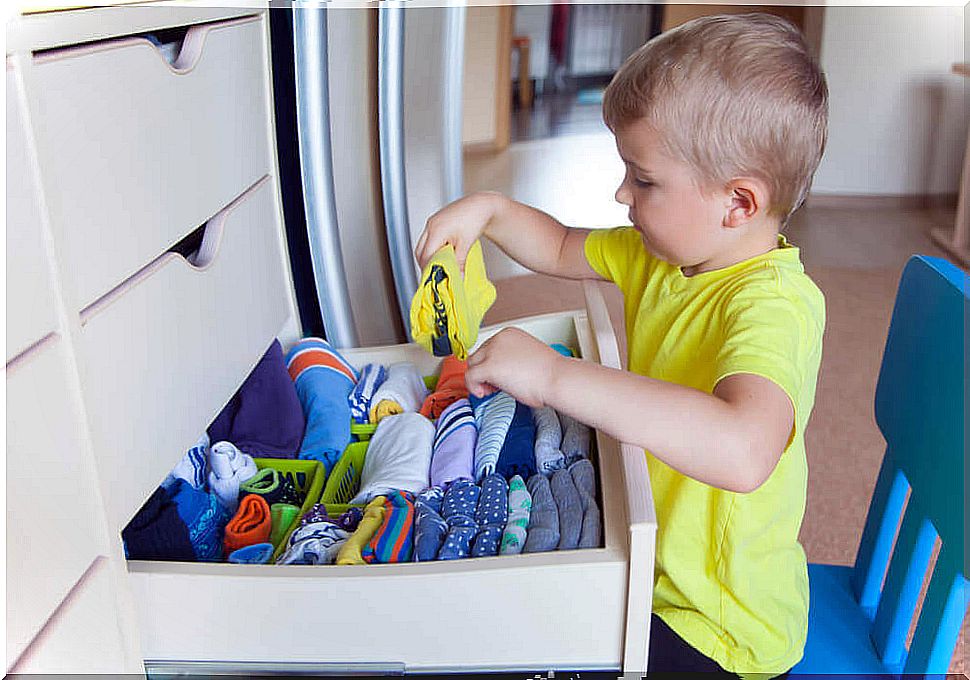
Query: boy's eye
[[642, 182]]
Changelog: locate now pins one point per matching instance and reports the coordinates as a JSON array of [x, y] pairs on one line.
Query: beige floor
[[854, 256]]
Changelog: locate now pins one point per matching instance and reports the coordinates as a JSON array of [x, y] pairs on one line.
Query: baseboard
[[882, 201]]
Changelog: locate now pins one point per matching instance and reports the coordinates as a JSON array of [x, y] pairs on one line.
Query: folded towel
[[493, 415], [454, 445], [350, 552], [398, 457], [393, 540], [372, 376], [517, 456], [229, 468], [449, 389], [193, 467], [402, 392], [548, 455], [264, 418], [251, 524], [323, 381], [447, 309]]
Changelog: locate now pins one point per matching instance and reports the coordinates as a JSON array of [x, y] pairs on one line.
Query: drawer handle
[[199, 250]]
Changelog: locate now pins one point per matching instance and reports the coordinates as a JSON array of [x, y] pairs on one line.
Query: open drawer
[[579, 609]]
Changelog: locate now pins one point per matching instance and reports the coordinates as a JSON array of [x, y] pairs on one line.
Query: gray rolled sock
[[575, 439], [549, 457], [543, 531], [570, 509], [584, 476]]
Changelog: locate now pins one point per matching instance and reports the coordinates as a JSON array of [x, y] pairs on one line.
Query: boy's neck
[[758, 242]]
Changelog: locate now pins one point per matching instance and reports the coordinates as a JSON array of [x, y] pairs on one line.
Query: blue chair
[[856, 624]]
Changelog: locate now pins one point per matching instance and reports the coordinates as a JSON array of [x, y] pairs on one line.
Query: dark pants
[[669, 653]]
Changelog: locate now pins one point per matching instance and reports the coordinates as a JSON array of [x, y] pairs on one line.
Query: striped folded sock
[[493, 415], [393, 541], [372, 376], [193, 467], [453, 448], [323, 381]]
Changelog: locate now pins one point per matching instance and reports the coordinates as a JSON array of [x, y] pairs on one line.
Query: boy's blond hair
[[731, 96]]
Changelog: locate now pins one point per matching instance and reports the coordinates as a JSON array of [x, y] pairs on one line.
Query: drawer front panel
[[168, 349], [31, 311], [53, 518], [136, 153]]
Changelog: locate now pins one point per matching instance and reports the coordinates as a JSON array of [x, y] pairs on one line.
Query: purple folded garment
[[453, 455], [264, 418]]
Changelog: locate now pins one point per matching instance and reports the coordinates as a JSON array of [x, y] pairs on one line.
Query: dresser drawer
[[577, 609], [31, 311], [161, 355], [137, 152], [53, 514]]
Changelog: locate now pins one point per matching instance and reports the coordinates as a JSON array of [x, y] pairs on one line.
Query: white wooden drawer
[[565, 609], [84, 635], [31, 310], [137, 153], [162, 354], [53, 513]]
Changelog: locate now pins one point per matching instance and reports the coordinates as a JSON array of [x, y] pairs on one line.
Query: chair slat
[[940, 618], [907, 569], [875, 548]]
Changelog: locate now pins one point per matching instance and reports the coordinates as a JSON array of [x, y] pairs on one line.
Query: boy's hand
[[515, 362], [459, 223]]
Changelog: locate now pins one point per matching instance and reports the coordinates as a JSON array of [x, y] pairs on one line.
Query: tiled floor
[[854, 256]]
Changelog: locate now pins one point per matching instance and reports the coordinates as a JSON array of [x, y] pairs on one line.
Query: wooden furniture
[[147, 274], [956, 241], [521, 45]]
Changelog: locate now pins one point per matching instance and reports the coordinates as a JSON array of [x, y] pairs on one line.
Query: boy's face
[[678, 222]]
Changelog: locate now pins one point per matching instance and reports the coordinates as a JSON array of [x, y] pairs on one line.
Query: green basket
[[308, 477], [362, 432], [344, 481]]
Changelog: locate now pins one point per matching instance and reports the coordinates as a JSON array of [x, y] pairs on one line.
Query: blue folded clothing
[[518, 456]]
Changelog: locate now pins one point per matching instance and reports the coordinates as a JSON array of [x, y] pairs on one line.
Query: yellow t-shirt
[[730, 574]]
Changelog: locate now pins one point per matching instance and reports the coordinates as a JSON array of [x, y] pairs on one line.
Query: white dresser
[[146, 275]]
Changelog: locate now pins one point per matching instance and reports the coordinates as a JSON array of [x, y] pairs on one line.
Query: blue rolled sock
[[429, 527], [458, 510], [491, 515], [257, 553]]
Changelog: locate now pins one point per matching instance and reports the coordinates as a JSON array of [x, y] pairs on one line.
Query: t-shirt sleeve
[[777, 335], [612, 253]]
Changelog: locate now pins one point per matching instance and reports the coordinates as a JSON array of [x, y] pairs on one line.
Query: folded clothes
[[398, 457], [585, 479], [491, 515], [372, 376], [453, 449], [429, 527], [516, 528], [323, 381], [193, 467], [317, 543], [402, 392], [205, 518], [493, 416], [517, 456], [549, 457], [274, 486], [258, 553], [251, 524], [156, 532], [449, 389], [458, 511], [575, 439], [394, 539], [348, 521], [282, 516], [264, 418], [543, 530], [570, 509], [447, 309], [229, 468], [350, 552]]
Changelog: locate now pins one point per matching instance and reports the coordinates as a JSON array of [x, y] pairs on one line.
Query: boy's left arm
[[731, 439]]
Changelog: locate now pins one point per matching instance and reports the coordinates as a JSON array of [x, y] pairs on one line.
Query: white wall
[[897, 114]]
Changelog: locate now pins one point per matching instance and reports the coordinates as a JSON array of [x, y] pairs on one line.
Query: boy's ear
[[748, 198]]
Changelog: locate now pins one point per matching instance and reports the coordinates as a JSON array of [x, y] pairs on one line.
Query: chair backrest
[[921, 408]]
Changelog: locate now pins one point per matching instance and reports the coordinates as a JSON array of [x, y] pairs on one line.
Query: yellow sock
[[371, 522]]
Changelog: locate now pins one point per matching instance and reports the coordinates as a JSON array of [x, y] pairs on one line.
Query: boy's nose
[[622, 195]]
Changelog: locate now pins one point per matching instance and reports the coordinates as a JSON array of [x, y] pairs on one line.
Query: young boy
[[721, 124]]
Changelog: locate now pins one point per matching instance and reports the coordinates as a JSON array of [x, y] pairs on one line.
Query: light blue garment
[[193, 467], [493, 415]]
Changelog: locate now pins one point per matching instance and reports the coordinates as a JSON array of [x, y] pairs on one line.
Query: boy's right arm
[[529, 236]]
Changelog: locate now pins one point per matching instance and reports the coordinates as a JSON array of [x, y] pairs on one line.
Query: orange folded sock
[[251, 524], [450, 388]]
